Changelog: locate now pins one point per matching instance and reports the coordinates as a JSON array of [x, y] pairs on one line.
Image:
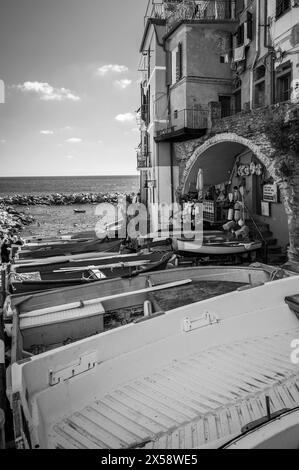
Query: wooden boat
[[33, 246], [204, 283], [64, 258], [200, 372], [65, 277], [80, 211], [214, 243], [44, 329], [65, 245], [250, 276], [71, 249], [106, 258], [278, 431]]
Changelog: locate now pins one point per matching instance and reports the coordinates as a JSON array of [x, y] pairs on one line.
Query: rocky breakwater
[[64, 199], [12, 221]]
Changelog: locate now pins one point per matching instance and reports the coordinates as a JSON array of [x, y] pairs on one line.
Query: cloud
[[74, 140], [67, 128], [112, 68], [47, 92], [2, 141], [100, 141], [127, 117], [47, 132], [69, 157], [124, 83]]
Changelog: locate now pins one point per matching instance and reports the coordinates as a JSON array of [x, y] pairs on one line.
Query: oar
[[82, 304]]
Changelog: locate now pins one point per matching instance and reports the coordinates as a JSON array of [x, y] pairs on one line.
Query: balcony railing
[[175, 11], [184, 122]]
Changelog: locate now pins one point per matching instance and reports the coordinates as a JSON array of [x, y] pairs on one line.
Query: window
[[225, 102], [238, 101], [240, 35], [177, 64], [259, 72], [249, 25], [282, 6], [284, 87], [259, 95], [284, 82], [224, 59], [175, 114]]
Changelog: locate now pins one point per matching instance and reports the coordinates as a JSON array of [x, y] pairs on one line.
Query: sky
[[71, 86]]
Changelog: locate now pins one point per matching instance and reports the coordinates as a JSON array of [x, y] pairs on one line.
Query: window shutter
[[179, 63], [168, 68], [249, 25]]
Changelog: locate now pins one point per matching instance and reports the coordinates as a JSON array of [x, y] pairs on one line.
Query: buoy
[[147, 308], [237, 215], [230, 214]]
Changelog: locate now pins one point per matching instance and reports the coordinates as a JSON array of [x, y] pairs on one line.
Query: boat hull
[[200, 372]]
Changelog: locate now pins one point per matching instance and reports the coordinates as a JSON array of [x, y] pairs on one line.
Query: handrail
[[254, 223]]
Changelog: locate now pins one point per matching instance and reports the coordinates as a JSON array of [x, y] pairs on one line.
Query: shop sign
[[265, 209], [270, 193]]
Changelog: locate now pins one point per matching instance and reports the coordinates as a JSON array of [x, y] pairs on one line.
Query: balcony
[[183, 125], [193, 10]]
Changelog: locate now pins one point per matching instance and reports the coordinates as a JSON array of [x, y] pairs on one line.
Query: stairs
[[276, 255]]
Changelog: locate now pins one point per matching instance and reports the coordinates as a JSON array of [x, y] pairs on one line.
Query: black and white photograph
[[149, 228]]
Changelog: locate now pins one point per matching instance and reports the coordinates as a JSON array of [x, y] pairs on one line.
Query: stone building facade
[[232, 67]]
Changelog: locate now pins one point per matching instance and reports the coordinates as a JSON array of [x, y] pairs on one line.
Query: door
[[225, 102]]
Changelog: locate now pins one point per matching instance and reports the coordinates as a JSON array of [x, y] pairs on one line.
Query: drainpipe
[[171, 173], [257, 50]]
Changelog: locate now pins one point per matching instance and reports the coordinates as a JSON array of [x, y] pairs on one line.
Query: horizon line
[[67, 176]]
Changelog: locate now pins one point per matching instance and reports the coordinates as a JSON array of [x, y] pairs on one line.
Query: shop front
[[239, 196]]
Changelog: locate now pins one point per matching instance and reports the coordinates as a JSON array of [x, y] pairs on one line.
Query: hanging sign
[[270, 193], [265, 206]]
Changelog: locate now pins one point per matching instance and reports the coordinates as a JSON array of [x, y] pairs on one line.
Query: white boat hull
[[219, 249], [182, 380]]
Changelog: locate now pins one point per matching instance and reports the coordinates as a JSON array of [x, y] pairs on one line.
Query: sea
[[61, 220], [68, 185]]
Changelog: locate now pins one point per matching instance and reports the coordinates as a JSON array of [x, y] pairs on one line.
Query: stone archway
[[267, 161], [266, 156]]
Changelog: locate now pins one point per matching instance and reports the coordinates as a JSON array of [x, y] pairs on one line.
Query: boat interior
[[192, 377], [78, 313]]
